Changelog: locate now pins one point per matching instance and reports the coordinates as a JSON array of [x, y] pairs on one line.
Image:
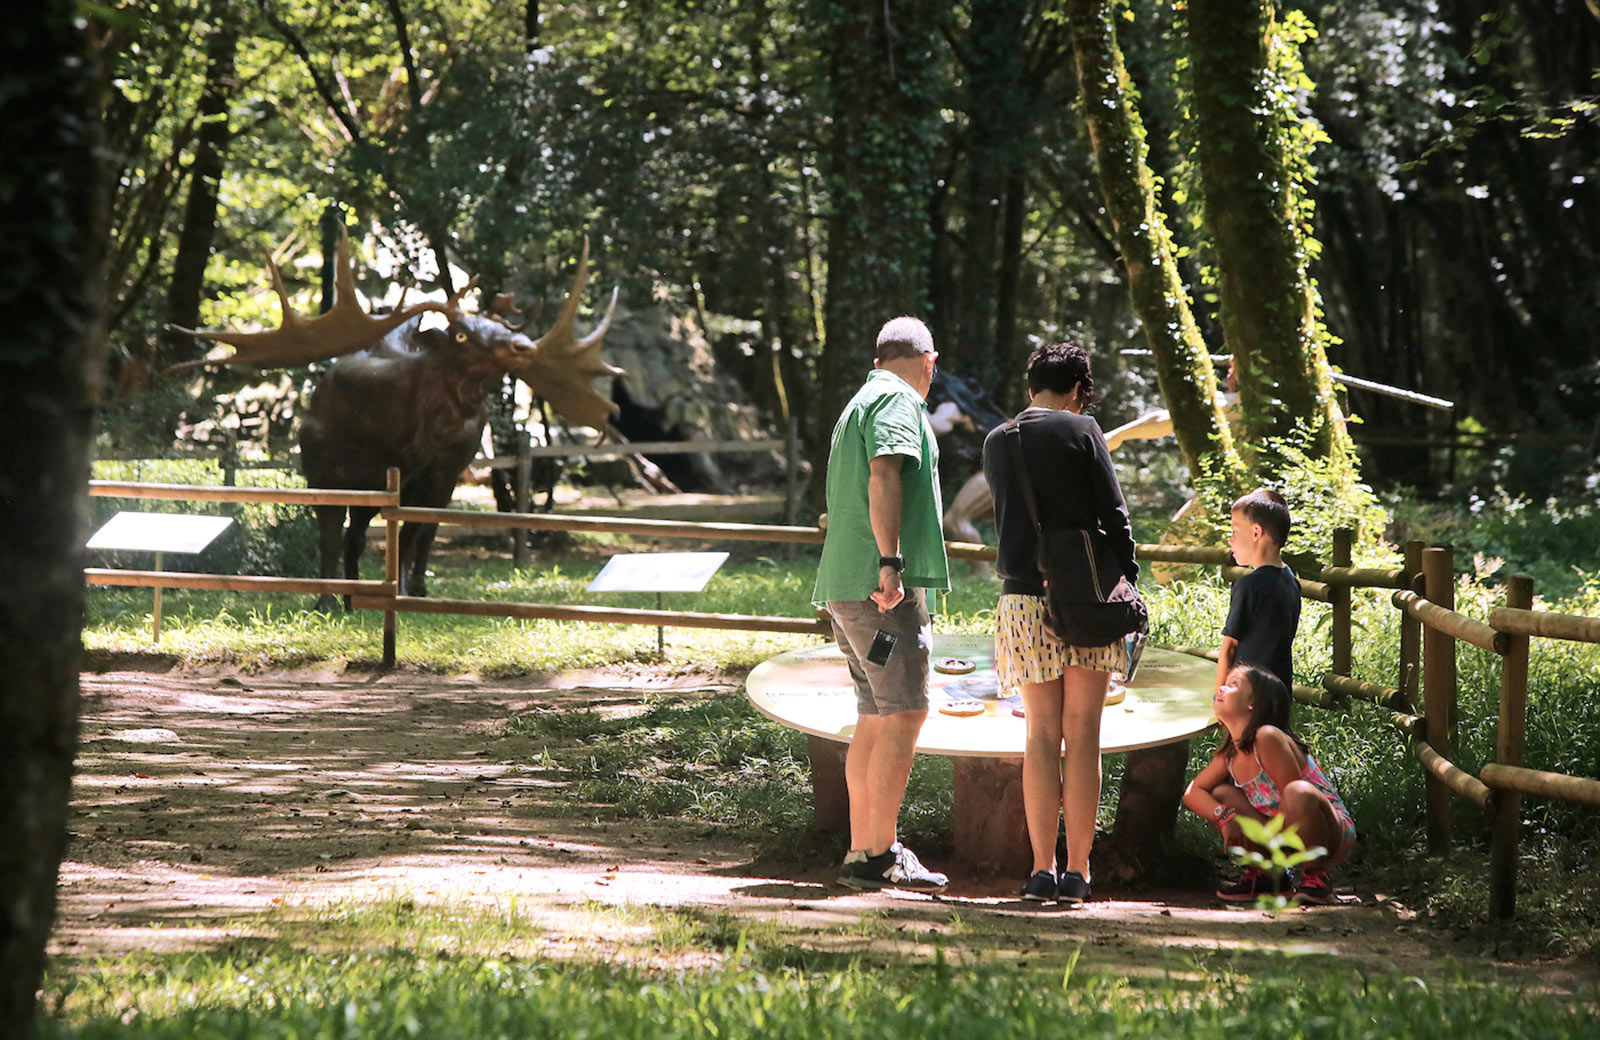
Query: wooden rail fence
[[1423, 594]]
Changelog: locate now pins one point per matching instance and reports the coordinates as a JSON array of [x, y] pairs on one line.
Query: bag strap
[[1019, 469]]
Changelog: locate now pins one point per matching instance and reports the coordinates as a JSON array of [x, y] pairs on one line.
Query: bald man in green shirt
[[883, 550]]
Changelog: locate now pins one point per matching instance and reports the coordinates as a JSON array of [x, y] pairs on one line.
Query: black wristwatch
[[897, 562]]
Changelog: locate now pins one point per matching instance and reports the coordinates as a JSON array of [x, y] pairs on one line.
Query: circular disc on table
[[811, 690], [962, 708], [954, 665]]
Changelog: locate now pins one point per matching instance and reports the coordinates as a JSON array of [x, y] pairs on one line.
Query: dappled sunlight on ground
[[211, 808]]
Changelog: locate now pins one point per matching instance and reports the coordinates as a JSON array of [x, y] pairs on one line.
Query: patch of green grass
[[281, 993], [714, 759]]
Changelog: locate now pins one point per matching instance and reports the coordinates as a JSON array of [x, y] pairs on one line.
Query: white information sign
[[658, 572], [159, 532]]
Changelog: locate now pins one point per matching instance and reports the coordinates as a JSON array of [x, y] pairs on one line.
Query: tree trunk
[[995, 144], [205, 178], [1268, 301], [882, 78], [49, 366], [780, 331], [1116, 135]]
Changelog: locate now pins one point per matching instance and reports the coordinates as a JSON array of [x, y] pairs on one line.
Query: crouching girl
[[1263, 769]]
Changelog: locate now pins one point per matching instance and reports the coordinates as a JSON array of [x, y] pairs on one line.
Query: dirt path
[[204, 798]]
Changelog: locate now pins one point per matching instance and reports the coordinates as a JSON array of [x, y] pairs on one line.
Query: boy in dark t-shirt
[[1264, 611]]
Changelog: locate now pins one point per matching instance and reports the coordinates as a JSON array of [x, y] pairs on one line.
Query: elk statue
[[411, 398]]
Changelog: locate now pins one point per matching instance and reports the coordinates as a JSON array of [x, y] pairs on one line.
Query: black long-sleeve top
[[1074, 485]]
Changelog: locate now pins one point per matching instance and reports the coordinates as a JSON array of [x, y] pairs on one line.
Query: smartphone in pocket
[[882, 646]]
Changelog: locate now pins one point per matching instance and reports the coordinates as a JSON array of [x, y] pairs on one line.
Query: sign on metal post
[[658, 573], [158, 533]]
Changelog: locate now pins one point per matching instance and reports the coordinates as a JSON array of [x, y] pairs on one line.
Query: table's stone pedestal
[[830, 798], [988, 828], [988, 825]]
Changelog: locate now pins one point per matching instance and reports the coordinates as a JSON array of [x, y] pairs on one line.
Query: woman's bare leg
[[1084, 698], [1041, 769]]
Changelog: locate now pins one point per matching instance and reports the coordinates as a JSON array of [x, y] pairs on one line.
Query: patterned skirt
[[1025, 652]]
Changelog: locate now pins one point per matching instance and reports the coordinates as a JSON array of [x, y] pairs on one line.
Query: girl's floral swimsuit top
[[1262, 793]]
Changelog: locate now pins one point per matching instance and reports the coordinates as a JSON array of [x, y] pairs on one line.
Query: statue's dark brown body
[[413, 400], [417, 407]]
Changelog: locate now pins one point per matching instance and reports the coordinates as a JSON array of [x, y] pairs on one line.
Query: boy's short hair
[[1268, 509]]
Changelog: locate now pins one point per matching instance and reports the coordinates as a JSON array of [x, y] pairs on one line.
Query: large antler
[[343, 329], [562, 367]]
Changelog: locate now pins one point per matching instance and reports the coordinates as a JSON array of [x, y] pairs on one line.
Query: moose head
[[400, 396]]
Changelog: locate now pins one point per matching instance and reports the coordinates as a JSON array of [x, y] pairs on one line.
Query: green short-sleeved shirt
[[886, 417]]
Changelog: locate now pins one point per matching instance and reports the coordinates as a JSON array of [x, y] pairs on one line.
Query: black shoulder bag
[[1088, 601]]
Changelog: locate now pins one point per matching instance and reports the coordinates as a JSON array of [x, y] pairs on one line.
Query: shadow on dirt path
[[205, 798]]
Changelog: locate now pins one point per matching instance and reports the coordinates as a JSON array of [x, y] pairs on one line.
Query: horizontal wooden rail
[[574, 451], [598, 615], [1183, 554], [217, 493], [1197, 651], [1318, 698], [1316, 590], [1457, 626], [1518, 622], [233, 582], [1344, 685], [648, 528], [1451, 775], [611, 525], [1303, 694], [1365, 577], [1410, 725], [1538, 782]]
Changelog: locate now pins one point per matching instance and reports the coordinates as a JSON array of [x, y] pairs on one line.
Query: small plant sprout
[[1278, 850]]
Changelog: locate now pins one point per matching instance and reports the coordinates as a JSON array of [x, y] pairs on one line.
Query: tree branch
[[324, 90], [413, 84]]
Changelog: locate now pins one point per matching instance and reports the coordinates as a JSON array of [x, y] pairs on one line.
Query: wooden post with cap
[[1439, 688], [391, 566], [1508, 744]]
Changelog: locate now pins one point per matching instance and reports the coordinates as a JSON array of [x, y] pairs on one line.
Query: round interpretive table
[[1168, 702]]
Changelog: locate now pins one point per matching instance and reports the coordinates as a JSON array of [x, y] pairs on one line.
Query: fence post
[[1439, 687], [791, 455], [1410, 632], [1508, 751], [791, 489], [522, 484], [1340, 598], [391, 567], [228, 457]]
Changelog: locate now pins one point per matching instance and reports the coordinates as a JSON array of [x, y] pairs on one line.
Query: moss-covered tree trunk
[[1116, 134], [882, 79], [49, 368], [1268, 301]]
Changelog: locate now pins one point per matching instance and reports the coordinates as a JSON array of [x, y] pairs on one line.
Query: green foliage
[[1324, 491], [1497, 535]]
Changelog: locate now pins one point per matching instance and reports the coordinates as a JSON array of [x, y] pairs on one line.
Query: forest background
[[793, 171]]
